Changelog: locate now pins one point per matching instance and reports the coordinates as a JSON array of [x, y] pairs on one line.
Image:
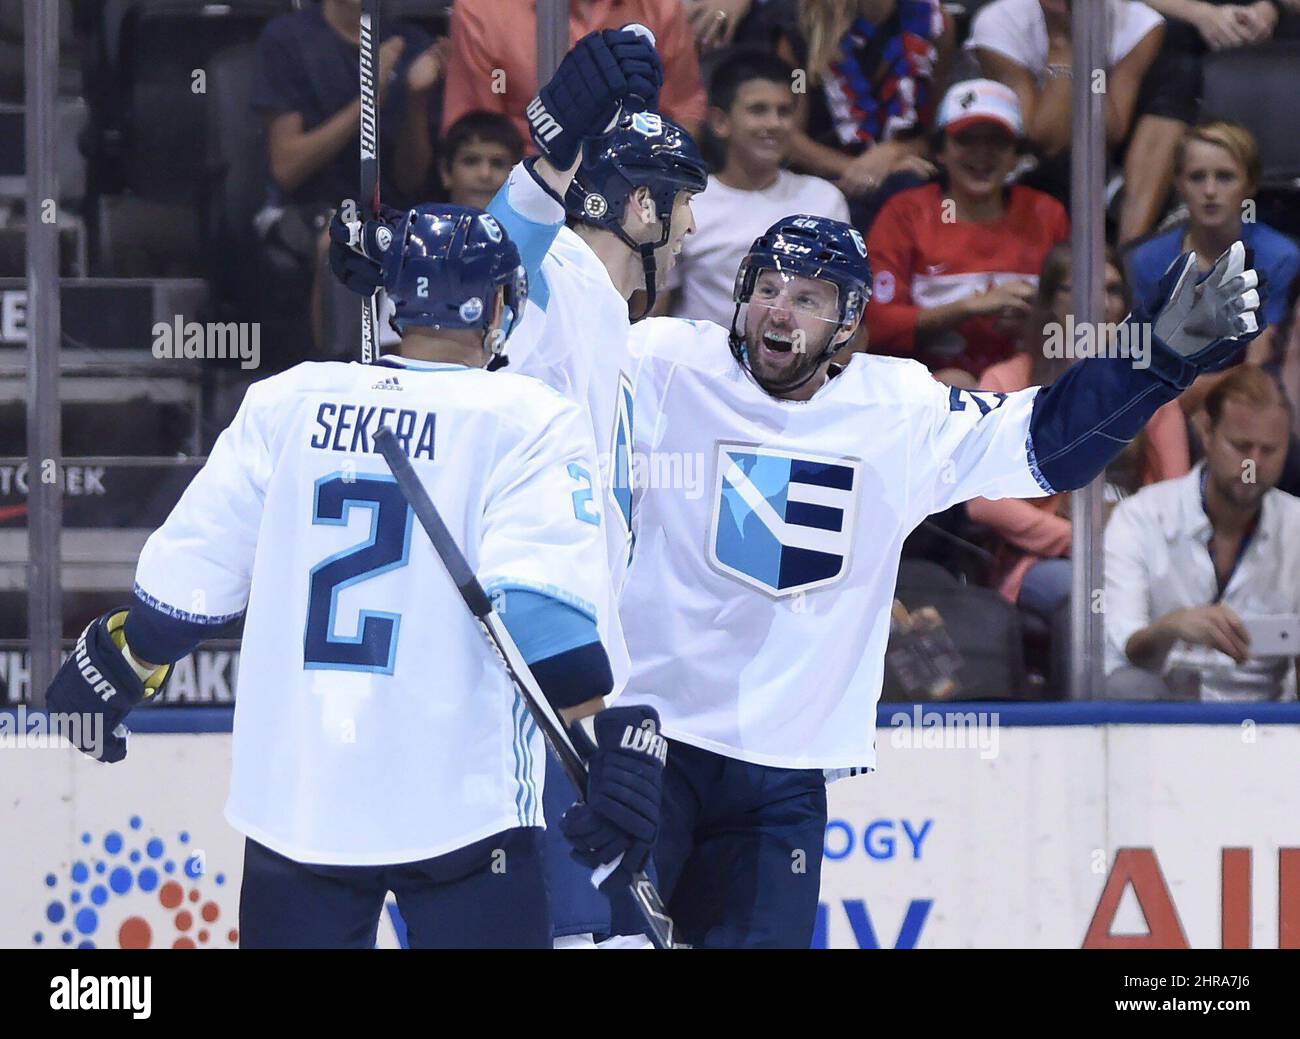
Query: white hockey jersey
[[757, 606], [373, 724], [574, 338]]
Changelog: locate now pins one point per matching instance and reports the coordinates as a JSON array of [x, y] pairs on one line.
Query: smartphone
[[1277, 635]]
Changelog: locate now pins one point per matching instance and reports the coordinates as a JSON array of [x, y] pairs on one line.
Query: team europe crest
[[782, 523]]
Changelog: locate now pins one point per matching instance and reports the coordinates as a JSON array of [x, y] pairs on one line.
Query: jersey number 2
[[374, 645]]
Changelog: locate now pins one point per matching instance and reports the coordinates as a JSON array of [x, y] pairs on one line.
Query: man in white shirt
[[751, 115], [1188, 560]]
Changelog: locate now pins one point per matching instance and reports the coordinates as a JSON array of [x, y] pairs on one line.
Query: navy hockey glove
[[1205, 320], [625, 778], [605, 71], [98, 681], [634, 48], [357, 247]]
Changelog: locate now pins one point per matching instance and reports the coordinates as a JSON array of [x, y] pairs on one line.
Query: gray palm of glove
[[1202, 311]]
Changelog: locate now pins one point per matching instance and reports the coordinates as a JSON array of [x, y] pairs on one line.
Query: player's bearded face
[[789, 321]]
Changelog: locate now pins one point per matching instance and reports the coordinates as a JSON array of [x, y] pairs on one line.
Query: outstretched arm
[[1059, 438], [1086, 417]]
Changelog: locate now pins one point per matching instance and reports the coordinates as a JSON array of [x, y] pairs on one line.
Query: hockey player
[[386, 749], [627, 208], [390, 752], [757, 614]]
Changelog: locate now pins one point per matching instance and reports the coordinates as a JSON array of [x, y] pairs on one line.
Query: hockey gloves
[[621, 812], [1205, 320], [98, 685], [357, 247], [603, 73]]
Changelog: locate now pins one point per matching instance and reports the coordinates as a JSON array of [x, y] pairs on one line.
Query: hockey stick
[[642, 887], [369, 66]]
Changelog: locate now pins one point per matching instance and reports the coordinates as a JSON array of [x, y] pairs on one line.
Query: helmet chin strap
[[740, 349], [649, 265]]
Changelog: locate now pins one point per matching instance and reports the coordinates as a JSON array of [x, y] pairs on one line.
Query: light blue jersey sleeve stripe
[[543, 626], [532, 218]]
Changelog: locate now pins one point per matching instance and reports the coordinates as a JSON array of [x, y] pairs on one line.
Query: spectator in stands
[[1026, 44], [306, 88], [476, 156], [956, 261], [1191, 28], [1286, 363], [750, 120], [874, 70], [1188, 560], [474, 160], [716, 22], [493, 63], [1033, 557], [1216, 168]]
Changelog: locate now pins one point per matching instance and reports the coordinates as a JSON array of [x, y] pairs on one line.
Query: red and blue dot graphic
[[132, 892]]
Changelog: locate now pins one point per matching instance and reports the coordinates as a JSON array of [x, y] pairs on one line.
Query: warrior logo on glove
[[644, 739]]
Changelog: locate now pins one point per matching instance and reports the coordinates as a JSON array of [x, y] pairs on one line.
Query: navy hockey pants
[[470, 898], [739, 854]]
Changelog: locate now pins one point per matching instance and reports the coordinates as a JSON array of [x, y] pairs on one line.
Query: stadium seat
[[1258, 87], [986, 631], [433, 16], [12, 71], [235, 174], [149, 115], [922, 574]]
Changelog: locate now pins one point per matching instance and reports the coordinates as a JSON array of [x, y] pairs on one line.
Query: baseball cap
[[980, 101]]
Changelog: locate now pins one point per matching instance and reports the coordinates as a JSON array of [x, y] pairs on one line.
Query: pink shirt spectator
[[493, 62]]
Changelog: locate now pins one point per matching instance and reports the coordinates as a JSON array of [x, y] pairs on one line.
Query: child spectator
[[1032, 567], [751, 119], [956, 261], [476, 156]]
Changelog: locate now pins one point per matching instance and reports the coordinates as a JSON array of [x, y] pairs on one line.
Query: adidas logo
[[389, 383]]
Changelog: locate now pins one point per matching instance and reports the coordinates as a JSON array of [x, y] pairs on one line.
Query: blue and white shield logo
[[782, 522]]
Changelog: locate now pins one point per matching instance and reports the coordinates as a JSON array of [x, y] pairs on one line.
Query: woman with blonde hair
[[1216, 171]]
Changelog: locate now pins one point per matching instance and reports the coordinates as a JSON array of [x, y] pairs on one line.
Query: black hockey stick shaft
[[368, 64], [642, 888]]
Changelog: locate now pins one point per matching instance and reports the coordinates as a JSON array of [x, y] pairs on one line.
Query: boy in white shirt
[[751, 116]]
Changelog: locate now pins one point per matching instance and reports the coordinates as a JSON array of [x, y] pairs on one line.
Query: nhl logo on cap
[[595, 205], [471, 310]]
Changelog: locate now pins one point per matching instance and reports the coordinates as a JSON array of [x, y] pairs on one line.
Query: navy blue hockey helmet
[[445, 266], [810, 247], [644, 150]]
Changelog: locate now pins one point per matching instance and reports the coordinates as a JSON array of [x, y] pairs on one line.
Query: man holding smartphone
[[1203, 571]]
